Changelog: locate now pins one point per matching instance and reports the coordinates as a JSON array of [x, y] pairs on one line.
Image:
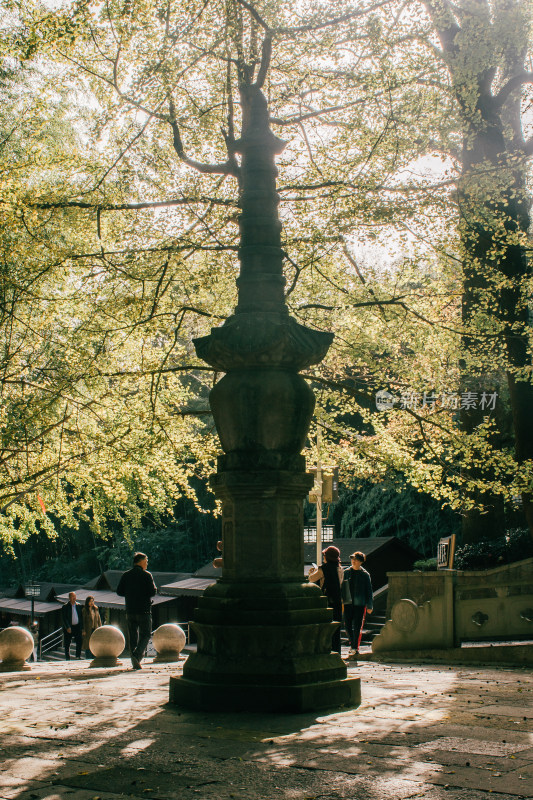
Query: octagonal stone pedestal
[[168, 640], [106, 643], [264, 636], [16, 645], [264, 647]]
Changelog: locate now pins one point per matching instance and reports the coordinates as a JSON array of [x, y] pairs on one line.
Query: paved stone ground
[[432, 732]]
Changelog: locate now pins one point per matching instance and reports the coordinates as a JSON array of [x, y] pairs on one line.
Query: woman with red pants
[[330, 576]]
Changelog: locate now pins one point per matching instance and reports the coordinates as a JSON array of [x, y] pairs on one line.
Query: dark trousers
[[76, 634], [337, 617], [139, 632], [354, 616]]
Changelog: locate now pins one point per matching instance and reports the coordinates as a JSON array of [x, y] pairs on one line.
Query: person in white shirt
[[71, 614]]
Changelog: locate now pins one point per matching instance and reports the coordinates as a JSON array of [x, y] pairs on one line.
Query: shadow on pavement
[[426, 732]]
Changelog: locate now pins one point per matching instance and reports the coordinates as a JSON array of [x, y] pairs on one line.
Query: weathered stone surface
[[251, 656], [168, 640], [16, 644], [70, 733], [106, 643]]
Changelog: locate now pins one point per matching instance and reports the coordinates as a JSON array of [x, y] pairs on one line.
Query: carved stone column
[[264, 634]]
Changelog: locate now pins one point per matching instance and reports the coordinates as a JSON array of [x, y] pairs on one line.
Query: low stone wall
[[417, 586], [443, 608]]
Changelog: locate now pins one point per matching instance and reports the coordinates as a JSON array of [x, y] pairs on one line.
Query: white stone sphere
[[107, 642], [16, 644], [169, 638]]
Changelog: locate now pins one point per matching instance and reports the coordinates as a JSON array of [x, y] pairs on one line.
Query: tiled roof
[[368, 546], [113, 576], [108, 599], [208, 571], [191, 587], [23, 607]]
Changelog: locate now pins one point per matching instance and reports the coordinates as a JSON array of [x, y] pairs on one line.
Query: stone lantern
[[264, 634]]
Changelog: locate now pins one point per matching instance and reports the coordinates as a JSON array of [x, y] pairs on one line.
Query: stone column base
[[14, 666], [276, 698], [105, 662], [166, 658], [264, 647]]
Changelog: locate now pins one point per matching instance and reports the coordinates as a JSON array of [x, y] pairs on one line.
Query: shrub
[[514, 546], [425, 564]]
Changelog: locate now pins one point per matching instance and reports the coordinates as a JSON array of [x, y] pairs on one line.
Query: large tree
[[444, 82], [95, 421], [486, 49], [361, 92]]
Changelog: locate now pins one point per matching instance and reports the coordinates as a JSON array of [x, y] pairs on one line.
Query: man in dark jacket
[[138, 587], [359, 599], [72, 625]]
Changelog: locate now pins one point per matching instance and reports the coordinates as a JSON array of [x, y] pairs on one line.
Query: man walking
[[71, 619], [137, 587], [359, 599]]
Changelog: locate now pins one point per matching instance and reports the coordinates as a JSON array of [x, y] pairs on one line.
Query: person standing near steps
[[71, 622], [359, 599], [329, 577], [137, 587]]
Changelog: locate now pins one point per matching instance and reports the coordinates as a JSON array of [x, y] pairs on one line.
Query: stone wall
[[444, 608]]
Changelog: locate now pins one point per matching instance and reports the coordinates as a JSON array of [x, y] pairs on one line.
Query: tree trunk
[[493, 229]]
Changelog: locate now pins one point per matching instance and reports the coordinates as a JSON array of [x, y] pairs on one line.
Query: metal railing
[[50, 642], [55, 639], [185, 627]]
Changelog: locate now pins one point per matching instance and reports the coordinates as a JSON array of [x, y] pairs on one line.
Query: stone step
[[518, 654], [54, 655]]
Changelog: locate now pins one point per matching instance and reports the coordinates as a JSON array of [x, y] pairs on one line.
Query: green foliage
[[426, 565], [181, 543], [516, 545], [391, 508], [118, 240]]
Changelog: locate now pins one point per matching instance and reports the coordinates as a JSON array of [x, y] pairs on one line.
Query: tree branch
[[445, 23], [516, 82], [361, 12], [181, 201], [228, 168], [266, 53], [527, 149], [256, 15], [355, 265]]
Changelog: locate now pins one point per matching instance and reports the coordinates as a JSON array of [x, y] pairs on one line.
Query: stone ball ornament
[[168, 640], [16, 645], [106, 644]]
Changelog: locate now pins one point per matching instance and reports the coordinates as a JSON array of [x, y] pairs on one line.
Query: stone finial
[[106, 644], [169, 640], [16, 644]]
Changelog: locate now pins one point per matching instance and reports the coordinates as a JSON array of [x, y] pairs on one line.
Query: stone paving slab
[[431, 732], [33, 768]]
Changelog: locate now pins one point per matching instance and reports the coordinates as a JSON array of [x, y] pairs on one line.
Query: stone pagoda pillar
[[264, 633]]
